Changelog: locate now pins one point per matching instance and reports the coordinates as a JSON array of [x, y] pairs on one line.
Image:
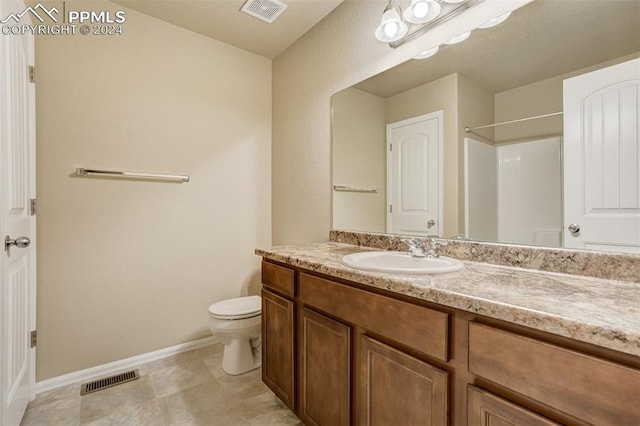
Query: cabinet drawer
[[278, 278], [418, 327], [592, 389]]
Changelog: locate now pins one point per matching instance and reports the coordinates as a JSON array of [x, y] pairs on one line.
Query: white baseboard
[[116, 366]]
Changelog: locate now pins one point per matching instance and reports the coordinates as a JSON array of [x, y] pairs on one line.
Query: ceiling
[[543, 39], [223, 21]]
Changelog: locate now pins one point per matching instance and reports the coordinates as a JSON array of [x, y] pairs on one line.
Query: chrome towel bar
[[348, 188], [81, 171]]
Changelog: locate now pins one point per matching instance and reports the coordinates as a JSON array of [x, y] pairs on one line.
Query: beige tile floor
[[185, 389]]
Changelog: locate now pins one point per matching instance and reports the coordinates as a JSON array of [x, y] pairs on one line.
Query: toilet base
[[240, 357]]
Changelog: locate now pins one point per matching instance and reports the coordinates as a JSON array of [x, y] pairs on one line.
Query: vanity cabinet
[[338, 352]]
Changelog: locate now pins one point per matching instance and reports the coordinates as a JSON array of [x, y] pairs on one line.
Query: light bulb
[[421, 9], [391, 29]]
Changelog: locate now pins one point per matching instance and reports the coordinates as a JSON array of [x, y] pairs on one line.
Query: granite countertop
[[601, 312]]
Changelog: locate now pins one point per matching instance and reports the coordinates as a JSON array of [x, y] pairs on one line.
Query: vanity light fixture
[[398, 25], [421, 16]]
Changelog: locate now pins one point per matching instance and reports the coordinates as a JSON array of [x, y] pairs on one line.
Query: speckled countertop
[[593, 310]]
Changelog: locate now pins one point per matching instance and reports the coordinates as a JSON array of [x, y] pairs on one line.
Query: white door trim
[[440, 116]]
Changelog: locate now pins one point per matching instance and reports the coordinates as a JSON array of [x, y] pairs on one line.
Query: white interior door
[[414, 181], [602, 158], [17, 187]]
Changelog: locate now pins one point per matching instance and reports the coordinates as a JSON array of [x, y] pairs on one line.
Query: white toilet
[[237, 324]]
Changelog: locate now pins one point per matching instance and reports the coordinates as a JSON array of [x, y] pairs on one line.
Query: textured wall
[[129, 267], [359, 155], [337, 53]]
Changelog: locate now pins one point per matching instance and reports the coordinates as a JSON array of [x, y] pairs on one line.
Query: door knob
[[431, 223], [574, 228], [20, 242]]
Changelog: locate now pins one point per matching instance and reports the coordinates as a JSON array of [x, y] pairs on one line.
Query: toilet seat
[[237, 308]]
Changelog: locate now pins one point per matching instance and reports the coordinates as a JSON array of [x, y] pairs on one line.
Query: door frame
[[439, 115]]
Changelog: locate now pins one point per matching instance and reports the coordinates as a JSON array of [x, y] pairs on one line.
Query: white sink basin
[[401, 263]]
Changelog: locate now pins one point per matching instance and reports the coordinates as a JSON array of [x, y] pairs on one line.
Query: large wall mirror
[[423, 148]]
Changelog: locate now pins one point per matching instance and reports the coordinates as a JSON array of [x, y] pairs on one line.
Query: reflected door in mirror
[[601, 159], [414, 175]]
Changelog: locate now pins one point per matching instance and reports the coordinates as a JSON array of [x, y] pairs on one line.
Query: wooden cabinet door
[[398, 389], [278, 346], [486, 409], [325, 373]]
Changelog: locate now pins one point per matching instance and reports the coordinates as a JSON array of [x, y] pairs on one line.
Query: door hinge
[[34, 338], [390, 208], [32, 74], [390, 147], [33, 204]]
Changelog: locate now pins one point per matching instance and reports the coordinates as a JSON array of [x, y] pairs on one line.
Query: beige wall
[[441, 94], [476, 106], [337, 53], [537, 98], [128, 267], [359, 159]]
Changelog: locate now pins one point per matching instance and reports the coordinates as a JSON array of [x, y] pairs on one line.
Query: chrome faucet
[[415, 247], [424, 248]]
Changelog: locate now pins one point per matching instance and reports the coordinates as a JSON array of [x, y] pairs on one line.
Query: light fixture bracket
[[423, 28]]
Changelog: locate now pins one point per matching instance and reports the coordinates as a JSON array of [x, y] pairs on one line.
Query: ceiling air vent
[[265, 10]]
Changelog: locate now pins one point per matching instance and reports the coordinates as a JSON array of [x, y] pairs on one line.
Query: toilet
[[237, 325]]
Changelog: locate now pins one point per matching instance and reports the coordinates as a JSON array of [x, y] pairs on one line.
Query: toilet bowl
[[237, 325]]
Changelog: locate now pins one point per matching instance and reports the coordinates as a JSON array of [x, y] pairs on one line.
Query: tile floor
[[185, 389]]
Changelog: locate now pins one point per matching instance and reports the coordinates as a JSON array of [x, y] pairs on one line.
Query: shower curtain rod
[[468, 129]]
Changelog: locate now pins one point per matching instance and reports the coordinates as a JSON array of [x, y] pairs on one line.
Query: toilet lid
[[239, 307]]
